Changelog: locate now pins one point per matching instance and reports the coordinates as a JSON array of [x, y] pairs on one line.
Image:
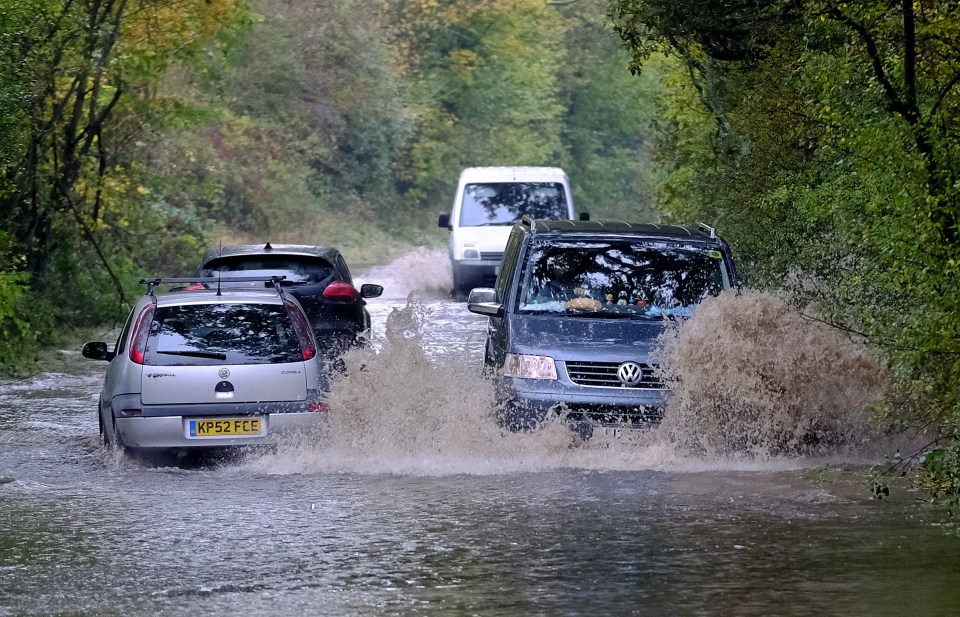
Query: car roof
[[210, 296], [515, 174], [307, 250], [702, 233]]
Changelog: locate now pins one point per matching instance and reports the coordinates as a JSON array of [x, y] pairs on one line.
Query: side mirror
[[584, 216], [369, 290], [97, 351], [444, 221], [483, 301]]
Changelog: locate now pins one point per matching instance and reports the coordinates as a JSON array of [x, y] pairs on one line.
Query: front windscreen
[[504, 203], [207, 334], [296, 268], [620, 278]]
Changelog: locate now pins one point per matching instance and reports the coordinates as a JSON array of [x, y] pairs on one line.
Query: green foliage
[[484, 91], [76, 89], [608, 129], [822, 138], [940, 475], [134, 135], [26, 322]]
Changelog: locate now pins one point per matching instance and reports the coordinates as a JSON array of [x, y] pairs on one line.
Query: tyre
[[104, 439], [108, 435], [462, 284]]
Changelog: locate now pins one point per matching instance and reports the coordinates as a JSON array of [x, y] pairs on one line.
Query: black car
[[576, 311], [317, 276]]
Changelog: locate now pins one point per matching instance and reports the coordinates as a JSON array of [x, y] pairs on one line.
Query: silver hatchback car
[[200, 368]]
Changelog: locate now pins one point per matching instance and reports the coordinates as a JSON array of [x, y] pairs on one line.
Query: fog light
[[129, 413]]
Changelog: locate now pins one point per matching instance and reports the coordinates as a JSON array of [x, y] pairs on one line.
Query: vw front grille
[[604, 375]]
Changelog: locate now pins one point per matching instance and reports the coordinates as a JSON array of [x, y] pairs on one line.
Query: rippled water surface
[[412, 503]]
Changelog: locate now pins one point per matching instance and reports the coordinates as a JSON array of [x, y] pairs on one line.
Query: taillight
[[302, 329], [194, 287], [141, 331], [338, 290], [318, 406]]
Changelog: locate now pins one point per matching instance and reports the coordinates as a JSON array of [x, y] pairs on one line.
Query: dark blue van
[[577, 309]]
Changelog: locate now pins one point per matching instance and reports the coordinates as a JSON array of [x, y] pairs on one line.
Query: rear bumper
[[174, 432], [168, 426]]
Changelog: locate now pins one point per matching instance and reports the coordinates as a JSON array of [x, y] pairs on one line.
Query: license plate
[[225, 427]]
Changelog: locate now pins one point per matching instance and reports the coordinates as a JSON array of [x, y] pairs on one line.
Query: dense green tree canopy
[[824, 138], [134, 133]]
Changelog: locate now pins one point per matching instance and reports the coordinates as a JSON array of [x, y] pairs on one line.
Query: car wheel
[[103, 433], [460, 286], [110, 437]]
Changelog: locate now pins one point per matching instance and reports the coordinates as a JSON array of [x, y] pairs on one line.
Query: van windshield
[[504, 203], [621, 279]]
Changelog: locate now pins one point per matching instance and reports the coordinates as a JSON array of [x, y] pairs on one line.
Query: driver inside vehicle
[[553, 286]]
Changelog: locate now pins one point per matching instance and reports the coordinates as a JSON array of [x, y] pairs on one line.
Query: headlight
[[470, 250], [529, 367]]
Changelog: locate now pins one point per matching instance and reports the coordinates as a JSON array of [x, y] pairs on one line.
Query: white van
[[489, 201]]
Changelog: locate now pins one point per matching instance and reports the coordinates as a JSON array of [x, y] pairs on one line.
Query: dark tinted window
[[504, 203], [204, 334], [296, 268], [621, 278]]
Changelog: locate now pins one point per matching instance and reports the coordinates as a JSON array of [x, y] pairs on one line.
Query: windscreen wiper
[[213, 355]]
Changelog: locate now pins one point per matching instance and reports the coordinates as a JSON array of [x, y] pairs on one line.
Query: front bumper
[[524, 403], [476, 272]]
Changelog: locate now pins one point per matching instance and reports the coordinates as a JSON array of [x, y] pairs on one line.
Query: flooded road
[[414, 504]]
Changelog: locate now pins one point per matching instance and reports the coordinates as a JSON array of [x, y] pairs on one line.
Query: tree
[[826, 141]]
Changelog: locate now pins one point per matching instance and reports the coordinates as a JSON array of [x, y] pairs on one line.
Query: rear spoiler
[[269, 281]]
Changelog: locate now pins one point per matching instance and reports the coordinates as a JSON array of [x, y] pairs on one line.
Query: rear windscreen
[[505, 203], [299, 268], [209, 334]]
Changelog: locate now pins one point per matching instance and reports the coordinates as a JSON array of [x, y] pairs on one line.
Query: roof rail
[[152, 284], [530, 222], [708, 229]]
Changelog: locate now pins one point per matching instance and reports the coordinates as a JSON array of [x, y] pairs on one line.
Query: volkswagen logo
[[630, 374], [225, 372]]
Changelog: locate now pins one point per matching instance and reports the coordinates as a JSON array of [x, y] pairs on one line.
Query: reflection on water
[[412, 502]]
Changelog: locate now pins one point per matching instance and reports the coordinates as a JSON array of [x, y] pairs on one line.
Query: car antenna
[[219, 274]]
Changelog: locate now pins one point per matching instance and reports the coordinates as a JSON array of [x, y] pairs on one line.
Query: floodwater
[[411, 502]]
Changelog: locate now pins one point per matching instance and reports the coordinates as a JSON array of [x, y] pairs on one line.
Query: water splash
[[397, 410], [422, 270], [750, 376], [755, 387]]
